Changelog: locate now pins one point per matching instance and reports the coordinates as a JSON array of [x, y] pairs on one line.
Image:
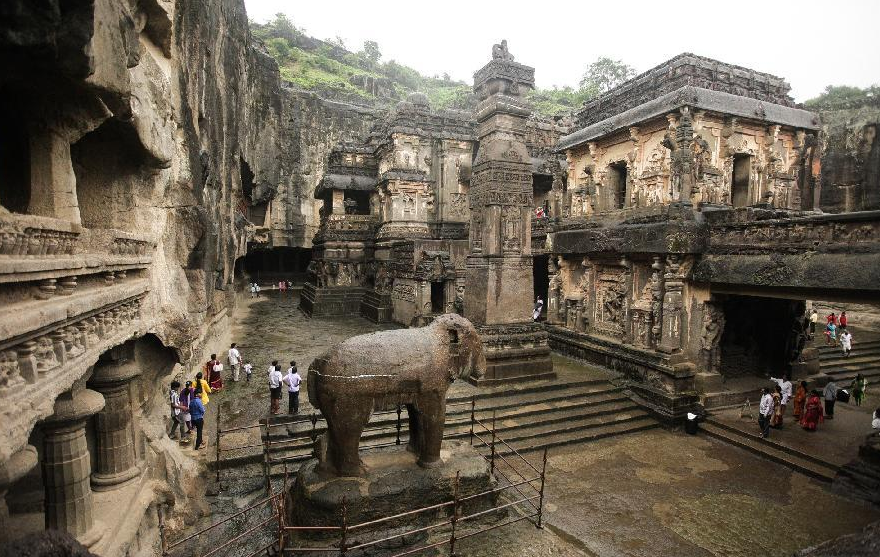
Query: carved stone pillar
[[588, 292], [116, 455], [11, 471], [66, 466], [672, 306]]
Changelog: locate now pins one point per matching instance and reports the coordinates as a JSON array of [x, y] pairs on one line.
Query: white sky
[[809, 43]]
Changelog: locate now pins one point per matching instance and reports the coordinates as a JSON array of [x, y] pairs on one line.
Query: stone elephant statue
[[411, 367]]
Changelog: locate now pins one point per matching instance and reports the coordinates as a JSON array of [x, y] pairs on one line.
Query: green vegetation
[[843, 96], [329, 68]]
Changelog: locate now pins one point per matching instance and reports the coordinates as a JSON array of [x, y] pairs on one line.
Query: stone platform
[[393, 484]]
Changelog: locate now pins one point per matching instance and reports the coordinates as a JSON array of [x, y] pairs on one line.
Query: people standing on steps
[[765, 412], [539, 307], [845, 342], [784, 385], [800, 400], [292, 380], [830, 334], [186, 395], [214, 371], [812, 412], [776, 420], [197, 411], [814, 318], [275, 387], [234, 359], [830, 394], [253, 287], [857, 388], [248, 370], [842, 321]]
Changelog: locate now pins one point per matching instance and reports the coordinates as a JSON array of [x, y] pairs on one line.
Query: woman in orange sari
[[813, 414], [800, 399]]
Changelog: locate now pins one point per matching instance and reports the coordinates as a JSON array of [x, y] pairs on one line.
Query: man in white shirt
[[234, 358], [785, 385], [292, 380], [765, 412], [275, 387]]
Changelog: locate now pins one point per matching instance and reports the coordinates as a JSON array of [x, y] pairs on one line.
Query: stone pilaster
[[66, 466], [11, 471], [498, 292], [116, 455]]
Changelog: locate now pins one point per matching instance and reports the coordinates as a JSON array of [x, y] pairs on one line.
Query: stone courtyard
[[159, 164]]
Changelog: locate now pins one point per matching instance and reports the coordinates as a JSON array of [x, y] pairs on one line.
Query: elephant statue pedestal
[[393, 483]]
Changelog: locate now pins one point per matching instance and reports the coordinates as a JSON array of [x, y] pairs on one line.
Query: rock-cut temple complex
[[153, 164]]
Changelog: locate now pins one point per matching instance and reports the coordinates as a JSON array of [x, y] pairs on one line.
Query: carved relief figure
[[710, 340], [500, 52]]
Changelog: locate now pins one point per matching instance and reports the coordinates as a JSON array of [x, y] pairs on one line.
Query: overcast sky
[[809, 43]]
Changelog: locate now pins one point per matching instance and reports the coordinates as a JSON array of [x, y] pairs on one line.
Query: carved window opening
[[742, 165], [453, 336], [541, 186], [15, 170], [617, 176], [438, 299], [357, 202]]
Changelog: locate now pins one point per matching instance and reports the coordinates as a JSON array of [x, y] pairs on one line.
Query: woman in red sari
[[813, 414], [800, 399], [213, 370]]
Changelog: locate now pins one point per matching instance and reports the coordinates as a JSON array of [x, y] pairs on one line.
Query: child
[[248, 369], [185, 398]]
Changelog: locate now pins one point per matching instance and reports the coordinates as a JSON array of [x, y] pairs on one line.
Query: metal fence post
[[217, 450], [266, 465], [397, 441], [454, 514], [492, 446], [344, 542], [541, 494], [473, 417]]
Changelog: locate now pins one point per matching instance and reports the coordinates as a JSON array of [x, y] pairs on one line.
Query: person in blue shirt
[[197, 413]]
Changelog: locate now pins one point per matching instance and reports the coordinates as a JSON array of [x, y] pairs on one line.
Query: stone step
[[844, 377], [771, 451], [771, 441], [528, 389], [570, 437], [868, 344], [857, 356]]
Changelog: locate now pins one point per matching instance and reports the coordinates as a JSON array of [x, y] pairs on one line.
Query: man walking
[[785, 386], [830, 393], [765, 412], [234, 358], [814, 318], [197, 411], [275, 387], [292, 380], [845, 342]]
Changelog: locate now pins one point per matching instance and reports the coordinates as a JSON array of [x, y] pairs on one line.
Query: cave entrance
[[739, 189], [15, 164], [760, 335], [438, 298], [540, 280], [267, 266], [617, 183]]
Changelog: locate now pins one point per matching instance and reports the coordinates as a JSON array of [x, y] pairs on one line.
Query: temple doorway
[[438, 299], [760, 335], [617, 181], [739, 189], [271, 265], [15, 158], [540, 279]]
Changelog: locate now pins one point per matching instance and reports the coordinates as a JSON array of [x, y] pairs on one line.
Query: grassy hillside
[[330, 69]]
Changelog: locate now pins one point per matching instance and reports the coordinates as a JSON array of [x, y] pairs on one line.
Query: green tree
[[836, 95], [282, 27], [603, 75], [371, 53], [280, 50]]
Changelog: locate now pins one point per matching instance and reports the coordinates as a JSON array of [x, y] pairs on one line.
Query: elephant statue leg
[[415, 430], [345, 423], [432, 418]]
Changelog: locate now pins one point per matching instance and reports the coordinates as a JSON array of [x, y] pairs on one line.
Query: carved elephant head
[[465, 346]]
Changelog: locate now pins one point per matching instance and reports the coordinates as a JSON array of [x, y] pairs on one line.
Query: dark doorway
[[739, 189], [617, 183], [760, 335], [271, 265], [540, 279], [438, 300], [15, 164]]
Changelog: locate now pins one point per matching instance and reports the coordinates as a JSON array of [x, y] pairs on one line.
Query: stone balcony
[[67, 294], [347, 228]]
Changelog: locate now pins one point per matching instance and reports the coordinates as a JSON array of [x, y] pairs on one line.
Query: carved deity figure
[[500, 52], [713, 328]]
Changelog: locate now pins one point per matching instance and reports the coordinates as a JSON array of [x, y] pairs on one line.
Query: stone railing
[[350, 228], [32, 236]]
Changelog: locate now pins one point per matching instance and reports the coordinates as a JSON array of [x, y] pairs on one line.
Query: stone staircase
[[768, 448], [864, 359], [528, 419]]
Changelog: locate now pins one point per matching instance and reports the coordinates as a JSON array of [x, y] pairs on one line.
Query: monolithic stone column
[[11, 471], [116, 456], [67, 464], [499, 267]]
